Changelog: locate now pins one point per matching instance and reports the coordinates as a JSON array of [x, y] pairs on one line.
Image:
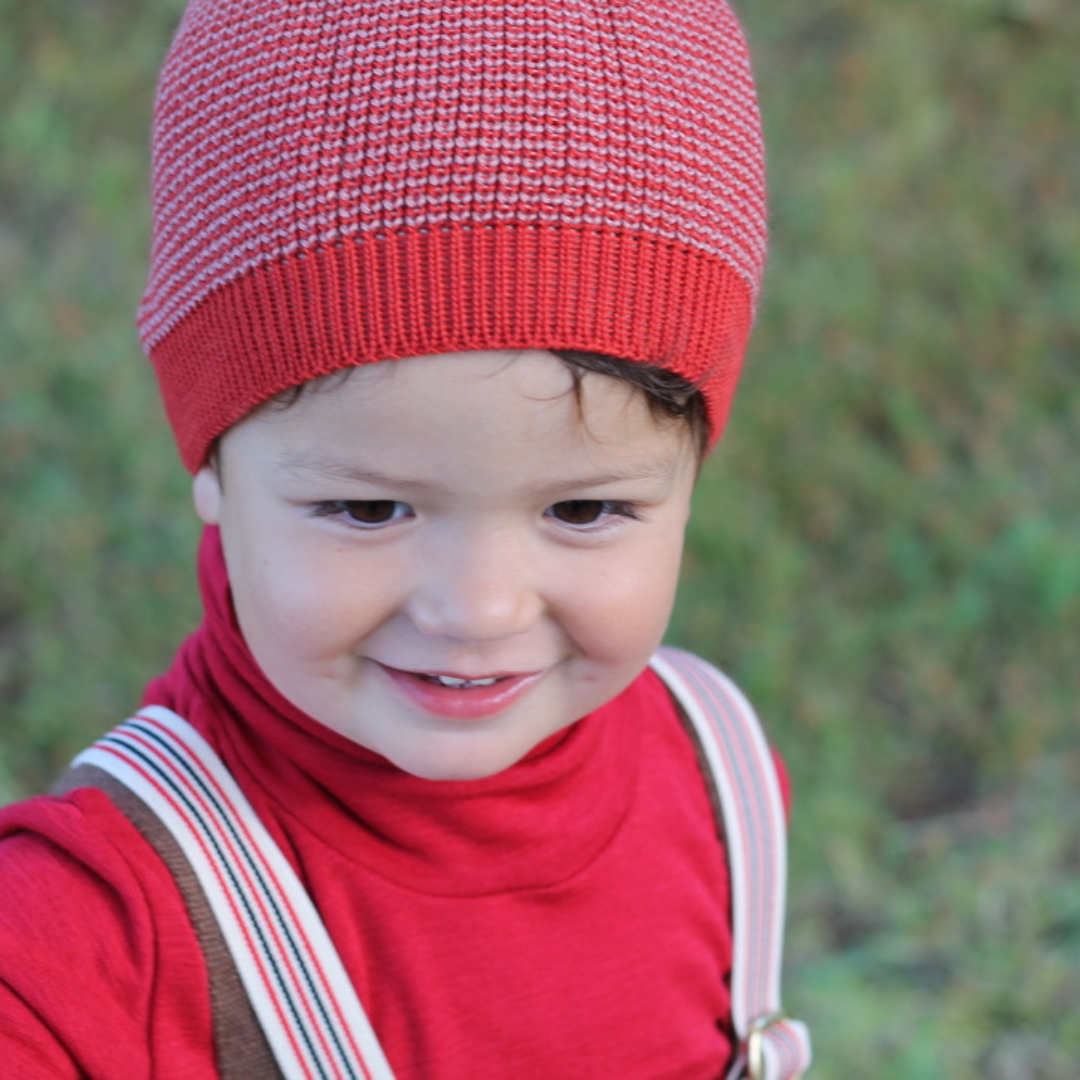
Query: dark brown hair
[[668, 395]]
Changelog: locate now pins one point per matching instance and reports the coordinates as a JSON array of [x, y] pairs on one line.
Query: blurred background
[[886, 552]]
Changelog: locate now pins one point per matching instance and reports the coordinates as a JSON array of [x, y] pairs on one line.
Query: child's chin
[[460, 762]]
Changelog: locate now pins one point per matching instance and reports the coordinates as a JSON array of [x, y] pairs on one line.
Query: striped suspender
[[308, 1009], [305, 1003], [744, 777]]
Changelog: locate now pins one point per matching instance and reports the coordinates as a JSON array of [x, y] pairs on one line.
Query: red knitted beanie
[[344, 181]]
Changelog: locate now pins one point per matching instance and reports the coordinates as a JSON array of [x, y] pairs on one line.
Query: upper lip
[[500, 674]]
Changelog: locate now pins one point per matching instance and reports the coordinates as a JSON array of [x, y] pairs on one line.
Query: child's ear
[[206, 494]]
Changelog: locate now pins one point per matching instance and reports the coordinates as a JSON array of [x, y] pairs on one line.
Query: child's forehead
[[453, 388], [415, 376], [406, 414], [416, 372]]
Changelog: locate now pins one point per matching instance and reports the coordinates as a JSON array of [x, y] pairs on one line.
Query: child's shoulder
[[87, 913], [73, 860], [52, 834]]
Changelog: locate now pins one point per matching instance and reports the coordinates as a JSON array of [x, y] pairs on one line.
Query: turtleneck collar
[[537, 823]]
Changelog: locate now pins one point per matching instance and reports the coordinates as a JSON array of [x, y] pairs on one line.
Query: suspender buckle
[[755, 1044]]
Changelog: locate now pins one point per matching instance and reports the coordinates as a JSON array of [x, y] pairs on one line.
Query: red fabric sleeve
[[86, 918]]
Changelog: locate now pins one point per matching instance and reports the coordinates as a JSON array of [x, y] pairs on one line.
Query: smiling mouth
[[461, 697]]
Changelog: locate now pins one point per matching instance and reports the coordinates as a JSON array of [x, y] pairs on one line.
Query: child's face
[[459, 517]]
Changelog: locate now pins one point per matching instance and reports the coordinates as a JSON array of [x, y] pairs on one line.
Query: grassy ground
[[885, 550]]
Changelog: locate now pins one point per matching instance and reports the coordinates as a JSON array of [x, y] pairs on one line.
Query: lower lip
[[465, 703]]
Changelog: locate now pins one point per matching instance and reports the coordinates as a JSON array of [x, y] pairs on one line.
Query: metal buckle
[[755, 1044]]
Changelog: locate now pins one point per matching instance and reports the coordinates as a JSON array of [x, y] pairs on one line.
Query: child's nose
[[478, 590]]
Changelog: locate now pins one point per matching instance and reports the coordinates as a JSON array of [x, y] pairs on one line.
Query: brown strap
[[240, 1047]]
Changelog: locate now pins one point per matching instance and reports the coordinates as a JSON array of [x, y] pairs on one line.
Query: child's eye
[[585, 512], [366, 513]]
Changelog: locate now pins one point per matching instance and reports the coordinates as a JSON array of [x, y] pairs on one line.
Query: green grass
[[884, 551]]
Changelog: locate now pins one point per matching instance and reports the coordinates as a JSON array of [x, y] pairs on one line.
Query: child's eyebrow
[[304, 467], [657, 468], [315, 468]]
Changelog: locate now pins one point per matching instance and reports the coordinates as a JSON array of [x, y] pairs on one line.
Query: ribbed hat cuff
[[452, 289]]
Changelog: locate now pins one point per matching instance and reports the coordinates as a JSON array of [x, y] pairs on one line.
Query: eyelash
[[606, 508], [345, 509]]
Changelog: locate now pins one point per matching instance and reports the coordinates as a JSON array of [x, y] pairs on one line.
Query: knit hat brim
[[452, 289]]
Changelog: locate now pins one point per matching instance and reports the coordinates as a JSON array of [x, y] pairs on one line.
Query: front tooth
[[450, 680]]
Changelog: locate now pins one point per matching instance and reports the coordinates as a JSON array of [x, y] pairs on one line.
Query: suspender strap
[[240, 1047], [298, 987], [744, 775]]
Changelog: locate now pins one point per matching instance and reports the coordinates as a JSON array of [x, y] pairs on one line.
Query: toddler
[[448, 299]]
